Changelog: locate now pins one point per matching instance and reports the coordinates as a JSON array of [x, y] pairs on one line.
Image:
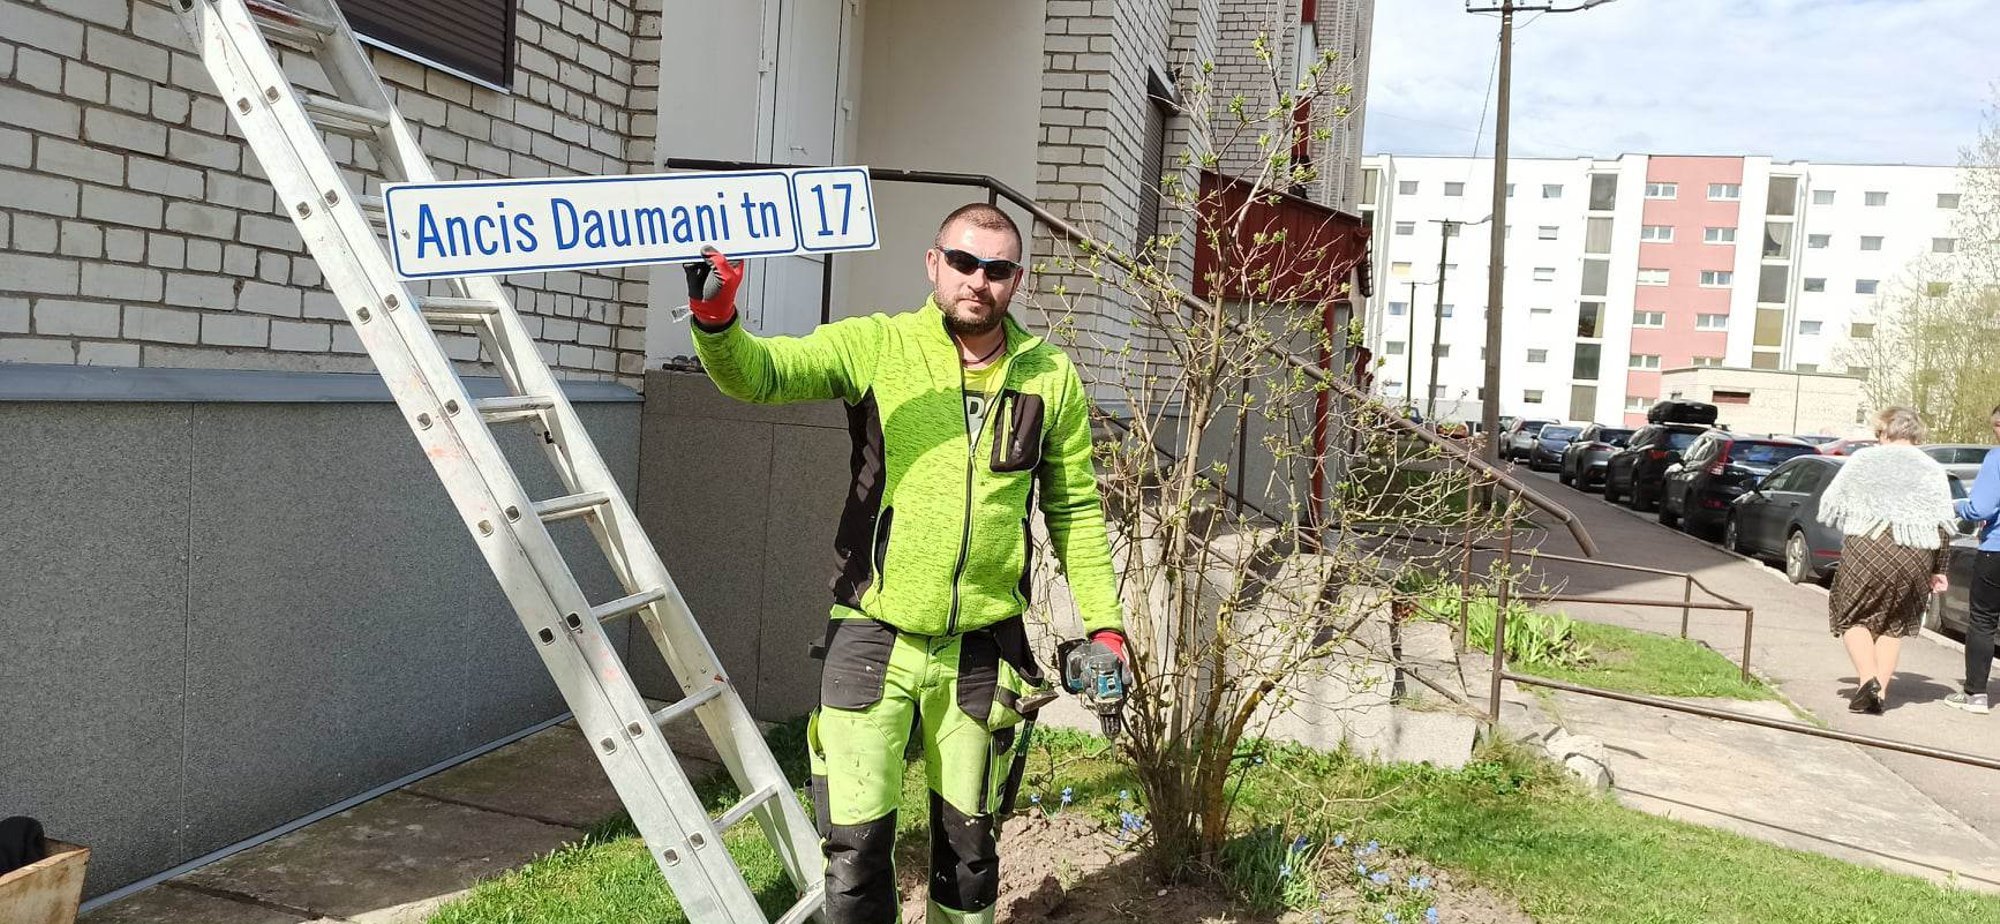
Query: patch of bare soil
[[1071, 869]]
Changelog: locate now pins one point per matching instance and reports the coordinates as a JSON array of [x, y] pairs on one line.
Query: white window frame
[[1942, 198], [1654, 276], [1725, 192], [1547, 232], [1806, 284], [1634, 404], [1406, 228], [1538, 356], [1647, 318], [1718, 235], [1552, 190], [1532, 395], [1407, 187], [1700, 322], [1874, 286], [1545, 274], [1644, 362], [1663, 190], [1825, 241], [1718, 279], [1459, 187], [1810, 328], [1394, 348], [1944, 245], [1444, 310], [1401, 270], [1877, 240], [1877, 199], [1656, 234], [1441, 350], [1398, 309], [1828, 193], [1705, 361]]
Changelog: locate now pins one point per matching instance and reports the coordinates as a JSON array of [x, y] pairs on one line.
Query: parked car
[[1846, 447], [1960, 459], [1779, 519], [1547, 454], [1696, 491], [1632, 474], [1518, 440], [1583, 459], [1952, 609], [1817, 439]]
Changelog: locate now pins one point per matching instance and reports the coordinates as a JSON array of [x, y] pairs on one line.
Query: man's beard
[[963, 326]]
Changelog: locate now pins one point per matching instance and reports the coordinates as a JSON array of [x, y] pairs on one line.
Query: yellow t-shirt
[[982, 386]]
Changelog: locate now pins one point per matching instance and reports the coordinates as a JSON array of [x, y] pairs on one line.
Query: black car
[[1583, 459], [1697, 491], [1952, 609], [1547, 456], [1632, 474], [1780, 518]]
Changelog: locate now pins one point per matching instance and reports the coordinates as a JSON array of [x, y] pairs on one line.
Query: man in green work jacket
[[962, 421]]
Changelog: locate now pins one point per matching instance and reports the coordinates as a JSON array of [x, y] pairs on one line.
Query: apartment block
[[1621, 269]]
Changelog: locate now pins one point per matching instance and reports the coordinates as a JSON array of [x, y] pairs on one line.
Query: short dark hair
[[981, 215]]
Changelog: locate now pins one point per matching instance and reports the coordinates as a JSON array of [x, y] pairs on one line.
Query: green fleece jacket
[[934, 539]]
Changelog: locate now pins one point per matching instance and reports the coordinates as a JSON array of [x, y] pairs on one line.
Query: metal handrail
[[1312, 370]]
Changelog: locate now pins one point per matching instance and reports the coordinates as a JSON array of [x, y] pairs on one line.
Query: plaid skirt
[[1883, 586]]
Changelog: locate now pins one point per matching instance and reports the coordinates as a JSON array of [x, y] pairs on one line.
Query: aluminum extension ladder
[[399, 328]]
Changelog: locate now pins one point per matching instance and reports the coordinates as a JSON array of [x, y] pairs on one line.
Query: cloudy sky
[[1854, 81]]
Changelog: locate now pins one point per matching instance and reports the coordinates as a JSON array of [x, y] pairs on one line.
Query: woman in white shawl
[[1892, 503]]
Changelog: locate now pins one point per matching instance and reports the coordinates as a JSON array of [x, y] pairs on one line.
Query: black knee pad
[[965, 858], [861, 872]]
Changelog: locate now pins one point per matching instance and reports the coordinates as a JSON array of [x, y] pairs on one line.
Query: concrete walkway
[[1792, 648], [395, 859]]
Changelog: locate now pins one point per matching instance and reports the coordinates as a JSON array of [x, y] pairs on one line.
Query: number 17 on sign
[[836, 211]]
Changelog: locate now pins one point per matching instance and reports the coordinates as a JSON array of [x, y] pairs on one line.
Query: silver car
[[1520, 437], [1961, 459]]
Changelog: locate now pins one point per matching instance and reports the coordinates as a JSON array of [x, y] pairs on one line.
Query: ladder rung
[[808, 905], [456, 312], [558, 508], [741, 810], [512, 407], [285, 24], [630, 603], [343, 118], [689, 703]]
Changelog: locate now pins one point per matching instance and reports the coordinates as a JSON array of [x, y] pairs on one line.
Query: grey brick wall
[[136, 229]]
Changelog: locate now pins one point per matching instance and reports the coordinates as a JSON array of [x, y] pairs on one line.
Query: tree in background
[[1937, 330]]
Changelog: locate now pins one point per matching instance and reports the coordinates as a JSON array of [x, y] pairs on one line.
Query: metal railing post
[[1500, 613], [1687, 597], [1749, 626], [1465, 571]]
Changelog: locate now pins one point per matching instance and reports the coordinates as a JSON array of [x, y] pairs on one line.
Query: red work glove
[[712, 283], [1112, 639]]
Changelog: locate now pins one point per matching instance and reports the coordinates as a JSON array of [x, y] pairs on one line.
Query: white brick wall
[[135, 228]]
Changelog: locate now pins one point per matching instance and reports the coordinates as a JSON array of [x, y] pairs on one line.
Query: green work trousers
[[959, 693]]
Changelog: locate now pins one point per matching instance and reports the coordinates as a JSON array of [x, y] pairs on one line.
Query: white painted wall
[[768, 81], [945, 85]]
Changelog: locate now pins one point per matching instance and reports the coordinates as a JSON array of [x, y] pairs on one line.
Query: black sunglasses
[[996, 270]]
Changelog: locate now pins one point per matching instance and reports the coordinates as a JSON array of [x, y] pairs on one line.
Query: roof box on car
[[1681, 411]]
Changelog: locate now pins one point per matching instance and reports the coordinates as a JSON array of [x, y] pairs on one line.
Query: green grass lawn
[[1509, 823], [1658, 665], [1552, 645]]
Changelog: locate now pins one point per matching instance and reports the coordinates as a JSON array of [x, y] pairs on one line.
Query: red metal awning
[[1320, 245]]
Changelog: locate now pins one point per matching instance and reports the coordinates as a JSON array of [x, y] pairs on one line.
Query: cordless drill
[[1094, 674]]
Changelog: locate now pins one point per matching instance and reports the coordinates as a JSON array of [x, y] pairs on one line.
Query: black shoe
[[1867, 699]]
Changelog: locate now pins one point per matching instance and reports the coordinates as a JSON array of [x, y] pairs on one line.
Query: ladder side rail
[[221, 29]]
